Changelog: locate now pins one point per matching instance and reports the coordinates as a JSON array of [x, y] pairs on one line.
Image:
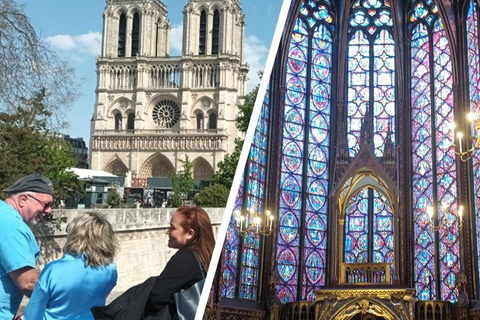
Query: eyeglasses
[[45, 205]]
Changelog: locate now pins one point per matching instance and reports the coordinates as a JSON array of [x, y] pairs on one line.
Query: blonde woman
[[82, 278]]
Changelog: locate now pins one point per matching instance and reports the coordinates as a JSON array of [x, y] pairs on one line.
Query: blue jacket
[[67, 289]]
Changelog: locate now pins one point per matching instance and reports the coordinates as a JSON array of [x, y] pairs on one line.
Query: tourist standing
[[83, 278], [29, 199]]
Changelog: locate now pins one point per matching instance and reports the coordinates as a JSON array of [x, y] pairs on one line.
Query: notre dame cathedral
[[153, 109]]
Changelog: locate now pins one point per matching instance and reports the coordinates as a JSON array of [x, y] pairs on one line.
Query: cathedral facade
[[152, 110], [373, 191]]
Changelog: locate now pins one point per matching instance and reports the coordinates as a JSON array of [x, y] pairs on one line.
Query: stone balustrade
[[367, 273], [164, 142]]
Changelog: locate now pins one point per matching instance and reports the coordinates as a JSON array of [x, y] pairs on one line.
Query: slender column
[[209, 33], [128, 36]]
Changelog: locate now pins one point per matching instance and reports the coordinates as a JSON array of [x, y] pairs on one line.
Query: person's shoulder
[[185, 254], [7, 212]]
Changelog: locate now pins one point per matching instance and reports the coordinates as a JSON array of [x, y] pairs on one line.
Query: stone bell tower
[[153, 109]]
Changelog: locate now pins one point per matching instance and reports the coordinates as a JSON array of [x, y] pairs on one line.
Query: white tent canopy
[[88, 173]]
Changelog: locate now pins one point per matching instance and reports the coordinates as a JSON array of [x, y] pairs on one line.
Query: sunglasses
[[45, 205]]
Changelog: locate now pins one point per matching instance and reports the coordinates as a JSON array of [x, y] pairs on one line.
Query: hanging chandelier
[[445, 223], [465, 155], [254, 223]]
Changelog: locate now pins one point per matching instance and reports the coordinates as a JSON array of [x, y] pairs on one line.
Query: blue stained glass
[[474, 86], [289, 227], [314, 265], [287, 265], [427, 146], [300, 132], [316, 228]]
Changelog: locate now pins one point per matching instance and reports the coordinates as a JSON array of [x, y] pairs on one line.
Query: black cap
[[33, 182]]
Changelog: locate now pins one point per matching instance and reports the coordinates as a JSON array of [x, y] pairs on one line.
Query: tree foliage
[[182, 183], [228, 166], [114, 199], [246, 109], [28, 66], [26, 146], [214, 196]]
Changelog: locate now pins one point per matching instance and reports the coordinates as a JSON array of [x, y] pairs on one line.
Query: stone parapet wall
[[141, 234]]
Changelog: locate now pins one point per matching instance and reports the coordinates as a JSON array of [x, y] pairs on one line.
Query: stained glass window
[[434, 168], [306, 134], [247, 274], [474, 86], [371, 74], [254, 201], [230, 252], [369, 213]]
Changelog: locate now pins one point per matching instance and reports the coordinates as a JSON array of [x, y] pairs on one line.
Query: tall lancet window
[[301, 255], [371, 73], [122, 35], [434, 181], [242, 255], [474, 85], [203, 32], [215, 32], [369, 235], [135, 34]]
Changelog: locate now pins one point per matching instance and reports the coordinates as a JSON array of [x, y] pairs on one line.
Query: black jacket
[[181, 272], [152, 299], [129, 305]]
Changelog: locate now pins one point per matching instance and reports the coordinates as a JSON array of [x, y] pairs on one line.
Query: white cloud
[[256, 56], [77, 46], [176, 35]]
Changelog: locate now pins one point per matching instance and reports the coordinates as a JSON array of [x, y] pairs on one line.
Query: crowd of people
[[77, 285]]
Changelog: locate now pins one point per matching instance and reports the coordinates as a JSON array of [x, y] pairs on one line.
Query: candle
[[242, 218], [271, 222], [430, 212], [459, 136], [452, 125], [460, 213]]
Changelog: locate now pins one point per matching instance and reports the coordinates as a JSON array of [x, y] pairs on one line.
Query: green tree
[[228, 166], [28, 66], [182, 183], [114, 199], [26, 146], [214, 196], [246, 109]]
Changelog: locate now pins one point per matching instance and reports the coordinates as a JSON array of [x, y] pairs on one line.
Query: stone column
[[209, 33], [128, 36]]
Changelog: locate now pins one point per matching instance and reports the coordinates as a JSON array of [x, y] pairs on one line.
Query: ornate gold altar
[[346, 302]]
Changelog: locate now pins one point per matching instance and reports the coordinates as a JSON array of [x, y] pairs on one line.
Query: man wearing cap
[[29, 199]]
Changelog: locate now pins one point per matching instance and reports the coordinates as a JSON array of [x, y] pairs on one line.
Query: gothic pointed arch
[[157, 165], [122, 34], [202, 41], [202, 170], [116, 166], [135, 34]]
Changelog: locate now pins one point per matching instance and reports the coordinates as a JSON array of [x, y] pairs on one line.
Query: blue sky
[[74, 29]]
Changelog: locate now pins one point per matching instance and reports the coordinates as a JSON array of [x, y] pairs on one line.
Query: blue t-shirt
[[18, 249], [67, 289]]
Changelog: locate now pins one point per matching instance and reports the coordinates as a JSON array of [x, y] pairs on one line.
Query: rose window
[[166, 114]]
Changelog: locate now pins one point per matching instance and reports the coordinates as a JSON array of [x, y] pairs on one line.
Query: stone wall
[[141, 234]]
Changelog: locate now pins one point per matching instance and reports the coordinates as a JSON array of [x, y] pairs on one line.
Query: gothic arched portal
[[157, 166]]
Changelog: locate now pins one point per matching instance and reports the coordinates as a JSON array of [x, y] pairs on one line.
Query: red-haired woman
[[191, 232]]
